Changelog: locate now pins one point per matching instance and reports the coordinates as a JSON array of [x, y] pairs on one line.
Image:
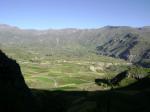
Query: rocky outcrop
[[119, 46], [15, 96]]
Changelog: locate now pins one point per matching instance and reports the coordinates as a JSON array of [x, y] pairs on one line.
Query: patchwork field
[[61, 74]]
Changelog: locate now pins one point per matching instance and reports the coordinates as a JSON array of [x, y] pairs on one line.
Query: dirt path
[[55, 82], [50, 78]]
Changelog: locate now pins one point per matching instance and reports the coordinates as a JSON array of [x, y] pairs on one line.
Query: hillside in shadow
[[15, 96]]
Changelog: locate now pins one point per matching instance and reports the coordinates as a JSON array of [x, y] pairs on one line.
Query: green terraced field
[[67, 74]]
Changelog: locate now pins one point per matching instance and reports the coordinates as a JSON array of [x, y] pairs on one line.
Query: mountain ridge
[[74, 28], [115, 41]]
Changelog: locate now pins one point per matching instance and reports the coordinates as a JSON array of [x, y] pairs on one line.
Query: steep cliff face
[[15, 96], [119, 46], [128, 47]]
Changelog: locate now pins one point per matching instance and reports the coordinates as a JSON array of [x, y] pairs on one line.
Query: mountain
[[132, 44]]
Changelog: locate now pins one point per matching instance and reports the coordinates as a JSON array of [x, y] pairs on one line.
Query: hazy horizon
[[8, 25]]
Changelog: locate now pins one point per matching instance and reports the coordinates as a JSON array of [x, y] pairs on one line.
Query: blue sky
[[43, 14]]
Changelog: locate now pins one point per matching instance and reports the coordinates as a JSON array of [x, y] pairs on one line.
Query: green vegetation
[[67, 74], [138, 72], [60, 71], [74, 73]]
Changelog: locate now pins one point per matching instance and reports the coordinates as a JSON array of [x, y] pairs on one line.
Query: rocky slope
[[14, 94]]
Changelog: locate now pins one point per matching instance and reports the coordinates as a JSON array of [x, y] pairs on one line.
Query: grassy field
[[69, 74], [63, 72]]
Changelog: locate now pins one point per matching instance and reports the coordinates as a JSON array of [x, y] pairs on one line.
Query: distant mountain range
[[132, 44]]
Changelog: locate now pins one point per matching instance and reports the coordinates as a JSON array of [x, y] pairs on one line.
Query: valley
[[74, 58], [67, 73], [74, 70]]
